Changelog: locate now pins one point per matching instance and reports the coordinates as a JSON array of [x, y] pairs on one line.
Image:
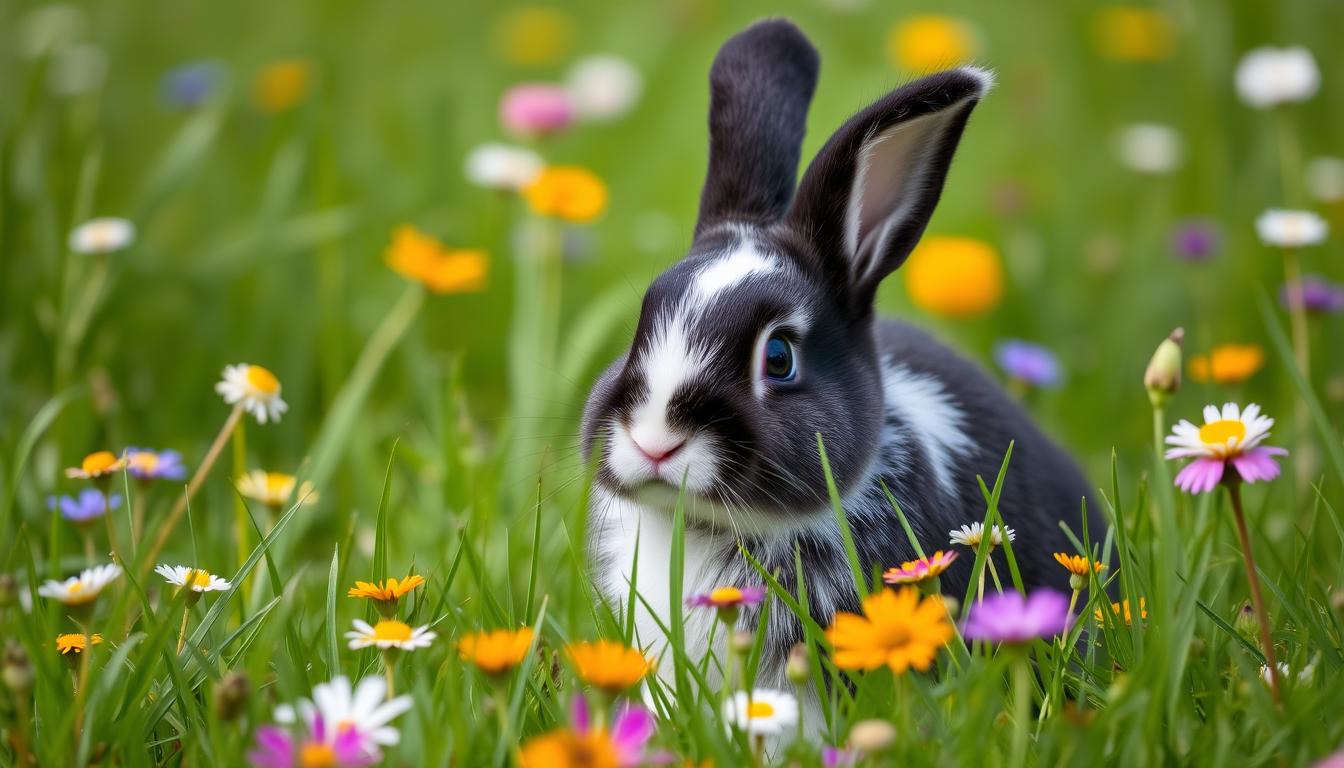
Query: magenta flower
[[631, 729], [1230, 436], [728, 597], [346, 748], [839, 757], [1009, 617], [1196, 240], [1028, 363], [1318, 295], [536, 109]]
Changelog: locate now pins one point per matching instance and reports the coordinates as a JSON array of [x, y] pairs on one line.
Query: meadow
[[306, 297]]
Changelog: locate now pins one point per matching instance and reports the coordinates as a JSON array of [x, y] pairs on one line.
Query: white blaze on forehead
[[933, 416], [732, 269], [670, 359]]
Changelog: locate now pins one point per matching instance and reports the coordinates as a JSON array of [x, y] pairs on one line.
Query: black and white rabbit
[[765, 335]]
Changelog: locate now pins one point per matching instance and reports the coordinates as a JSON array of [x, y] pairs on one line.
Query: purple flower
[[839, 757], [144, 464], [1318, 295], [1196, 240], [346, 748], [728, 597], [88, 506], [536, 109], [1029, 363], [1008, 617], [190, 85], [631, 729]]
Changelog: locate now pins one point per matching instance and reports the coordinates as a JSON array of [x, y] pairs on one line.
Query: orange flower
[[75, 643], [567, 192], [611, 666], [899, 630], [1227, 364], [1121, 611], [497, 651], [418, 256], [281, 85], [385, 594], [1077, 564], [1132, 33], [954, 276], [96, 466], [928, 43], [570, 749]]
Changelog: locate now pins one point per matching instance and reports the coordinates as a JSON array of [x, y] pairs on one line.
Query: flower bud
[[796, 668], [17, 670], [231, 695], [1246, 622], [872, 736], [741, 642], [1163, 377]]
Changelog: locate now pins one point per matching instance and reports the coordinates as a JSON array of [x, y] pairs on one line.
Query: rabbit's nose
[[658, 449]]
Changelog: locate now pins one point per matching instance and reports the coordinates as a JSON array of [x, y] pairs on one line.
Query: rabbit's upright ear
[[760, 87], [866, 198]]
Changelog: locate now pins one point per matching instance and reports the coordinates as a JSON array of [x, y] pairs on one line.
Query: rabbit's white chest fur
[[633, 542]]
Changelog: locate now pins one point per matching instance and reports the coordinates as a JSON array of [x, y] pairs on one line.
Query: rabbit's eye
[[779, 363]]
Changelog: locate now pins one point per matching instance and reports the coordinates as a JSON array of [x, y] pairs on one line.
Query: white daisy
[[102, 236], [274, 489], [256, 388], [81, 589], [502, 166], [389, 633], [1290, 229], [1225, 433], [364, 708], [197, 579], [762, 712], [971, 535], [603, 86], [1304, 674], [1150, 148], [1267, 77]]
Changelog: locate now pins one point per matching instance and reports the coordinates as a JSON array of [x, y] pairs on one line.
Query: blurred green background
[[261, 233]]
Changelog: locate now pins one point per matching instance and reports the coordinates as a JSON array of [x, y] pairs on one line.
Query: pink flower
[[631, 729], [1232, 436], [279, 748], [536, 109], [1009, 617], [728, 597]]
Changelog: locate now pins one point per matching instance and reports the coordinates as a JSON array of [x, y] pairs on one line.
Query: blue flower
[[191, 85], [88, 506], [144, 464], [1029, 363]]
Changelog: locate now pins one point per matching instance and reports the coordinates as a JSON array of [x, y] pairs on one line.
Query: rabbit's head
[[762, 336]]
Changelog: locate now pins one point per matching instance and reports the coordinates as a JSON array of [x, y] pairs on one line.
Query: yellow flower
[[1077, 564], [74, 643], [899, 629], [564, 748], [281, 85], [497, 651], [609, 665], [1132, 33], [1227, 364], [416, 255], [274, 489], [533, 36], [385, 594], [567, 192], [928, 43], [1121, 611], [954, 276], [96, 465]]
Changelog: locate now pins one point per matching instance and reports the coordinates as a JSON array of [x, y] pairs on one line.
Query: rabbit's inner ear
[[896, 183]]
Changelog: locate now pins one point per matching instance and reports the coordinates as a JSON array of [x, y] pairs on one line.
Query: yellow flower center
[[98, 463], [145, 461], [317, 755], [1222, 431], [199, 578], [262, 380], [395, 631], [726, 595], [279, 484], [759, 709], [75, 588]]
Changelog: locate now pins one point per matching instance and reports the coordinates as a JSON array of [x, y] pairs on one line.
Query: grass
[[441, 431]]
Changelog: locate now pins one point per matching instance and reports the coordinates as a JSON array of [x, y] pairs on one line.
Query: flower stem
[[500, 689], [1257, 601], [111, 526], [182, 633], [1021, 707], [138, 513], [89, 554], [993, 572], [389, 671], [180, 507]]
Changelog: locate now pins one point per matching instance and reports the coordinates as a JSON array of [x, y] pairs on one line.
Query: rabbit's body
[[765, 335]]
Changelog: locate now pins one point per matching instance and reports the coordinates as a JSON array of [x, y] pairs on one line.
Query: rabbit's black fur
[[691, 402]]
